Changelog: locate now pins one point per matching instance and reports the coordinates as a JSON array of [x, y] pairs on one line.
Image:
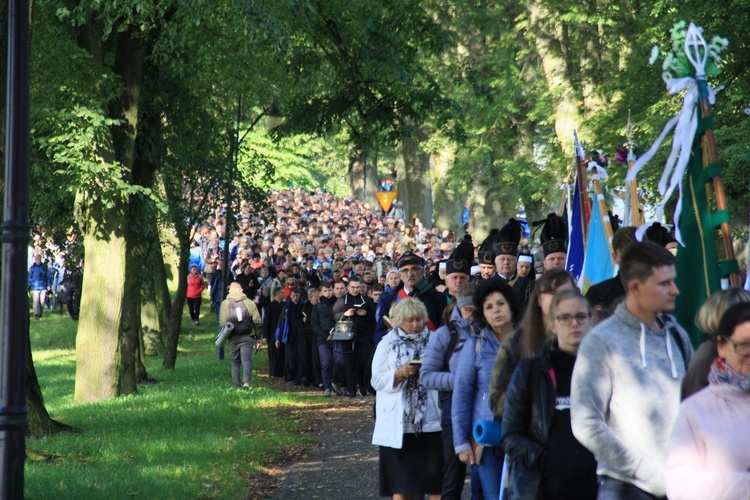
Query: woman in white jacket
[[709, 453], [407, 423]]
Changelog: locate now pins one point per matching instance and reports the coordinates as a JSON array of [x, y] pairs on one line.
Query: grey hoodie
[[625, 396]]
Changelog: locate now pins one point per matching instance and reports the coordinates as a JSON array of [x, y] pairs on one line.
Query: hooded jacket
[[252, 310], [433, 374], [471, 386], [625, 396]]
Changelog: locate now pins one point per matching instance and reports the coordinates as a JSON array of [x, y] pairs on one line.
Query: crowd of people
[[55, 274], [580, 396]]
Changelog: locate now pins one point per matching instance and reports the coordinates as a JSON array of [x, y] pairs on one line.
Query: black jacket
[[538, 439], [271, 320], [365, 325], [322, 318]]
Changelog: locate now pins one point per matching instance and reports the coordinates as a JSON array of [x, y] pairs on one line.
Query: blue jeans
[[488, 473], [325, 351], [242, 357], [614, 489]]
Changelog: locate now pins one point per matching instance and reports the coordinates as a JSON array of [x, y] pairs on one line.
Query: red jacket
[[195, 287]]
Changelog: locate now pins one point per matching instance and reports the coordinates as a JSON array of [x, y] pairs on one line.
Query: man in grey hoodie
[[625, 392]]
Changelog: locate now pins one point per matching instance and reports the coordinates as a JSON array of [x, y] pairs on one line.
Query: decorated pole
[[634, 217], [564, 192], [691, 169], [599, 174], [710, 159], [580, 158]]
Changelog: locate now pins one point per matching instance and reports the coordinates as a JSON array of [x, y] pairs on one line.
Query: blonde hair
[[710, 313], [407, 309]]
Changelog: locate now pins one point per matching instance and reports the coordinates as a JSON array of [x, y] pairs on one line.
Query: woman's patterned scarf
[[414, 393], [722, 373]]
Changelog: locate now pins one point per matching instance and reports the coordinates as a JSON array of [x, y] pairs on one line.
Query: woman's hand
[[404, 372], [466, 457]]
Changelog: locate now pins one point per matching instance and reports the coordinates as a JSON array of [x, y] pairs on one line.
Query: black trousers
[[363, 350], [454, 470], [194, 307]]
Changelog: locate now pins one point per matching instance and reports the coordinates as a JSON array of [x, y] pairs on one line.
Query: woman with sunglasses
[[709, 453], [546, 459]]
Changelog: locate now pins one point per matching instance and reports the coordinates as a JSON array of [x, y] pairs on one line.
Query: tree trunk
[[99, 337], [182, 235], [448, 204], [103, 368], [362, 165], [175, 318], [414, 183], [557, 70], [153, 343], [40, 424]]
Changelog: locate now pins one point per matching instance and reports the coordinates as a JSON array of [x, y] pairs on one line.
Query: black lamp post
[[14, 305], [273, 120]]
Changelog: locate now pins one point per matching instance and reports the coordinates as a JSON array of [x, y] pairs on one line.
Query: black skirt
[[415, 469]]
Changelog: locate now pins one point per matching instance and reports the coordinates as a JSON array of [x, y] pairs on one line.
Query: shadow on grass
[[190, 435]]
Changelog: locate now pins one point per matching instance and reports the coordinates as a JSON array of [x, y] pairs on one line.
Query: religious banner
[[692, 165]]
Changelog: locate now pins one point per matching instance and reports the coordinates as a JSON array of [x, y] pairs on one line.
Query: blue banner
[[574, 263], [597, 264]]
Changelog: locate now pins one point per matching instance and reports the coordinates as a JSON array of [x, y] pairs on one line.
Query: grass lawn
[[190, 435]]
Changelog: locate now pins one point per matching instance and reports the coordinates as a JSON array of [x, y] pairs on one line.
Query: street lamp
[[273, 120], [14, 317]]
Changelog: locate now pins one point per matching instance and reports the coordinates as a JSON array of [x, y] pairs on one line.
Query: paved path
[[345, 465]]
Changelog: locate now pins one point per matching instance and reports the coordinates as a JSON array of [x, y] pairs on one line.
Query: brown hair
[[566, 295], [533, 329], [640, 259]]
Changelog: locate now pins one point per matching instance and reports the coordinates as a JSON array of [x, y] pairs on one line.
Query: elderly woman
[[707, 319], [407, 424], [496, 309], [709, 453]]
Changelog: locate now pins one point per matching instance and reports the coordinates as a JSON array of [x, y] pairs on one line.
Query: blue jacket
[[471, 386], [196, 257], [432, 375], [282, 331], [37, 277]]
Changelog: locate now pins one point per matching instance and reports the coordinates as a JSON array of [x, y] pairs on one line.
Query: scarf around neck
[[722, 373], [414, 393]]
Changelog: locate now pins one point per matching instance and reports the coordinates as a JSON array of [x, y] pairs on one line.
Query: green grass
[[190, 435]]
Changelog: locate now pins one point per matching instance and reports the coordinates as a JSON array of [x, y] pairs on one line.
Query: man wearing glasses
[[625, 391], [414, 285]]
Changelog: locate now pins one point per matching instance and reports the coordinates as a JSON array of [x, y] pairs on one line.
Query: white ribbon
[[599, 173], [684, 124]]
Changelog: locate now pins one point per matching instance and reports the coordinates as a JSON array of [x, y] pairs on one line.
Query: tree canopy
[[472, 102]]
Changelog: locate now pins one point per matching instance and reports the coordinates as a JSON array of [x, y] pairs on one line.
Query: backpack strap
[[678, 340], [669, 323], [453, 329]]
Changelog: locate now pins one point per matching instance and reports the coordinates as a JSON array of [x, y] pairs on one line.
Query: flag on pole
[[576, 245], [597, 261]]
